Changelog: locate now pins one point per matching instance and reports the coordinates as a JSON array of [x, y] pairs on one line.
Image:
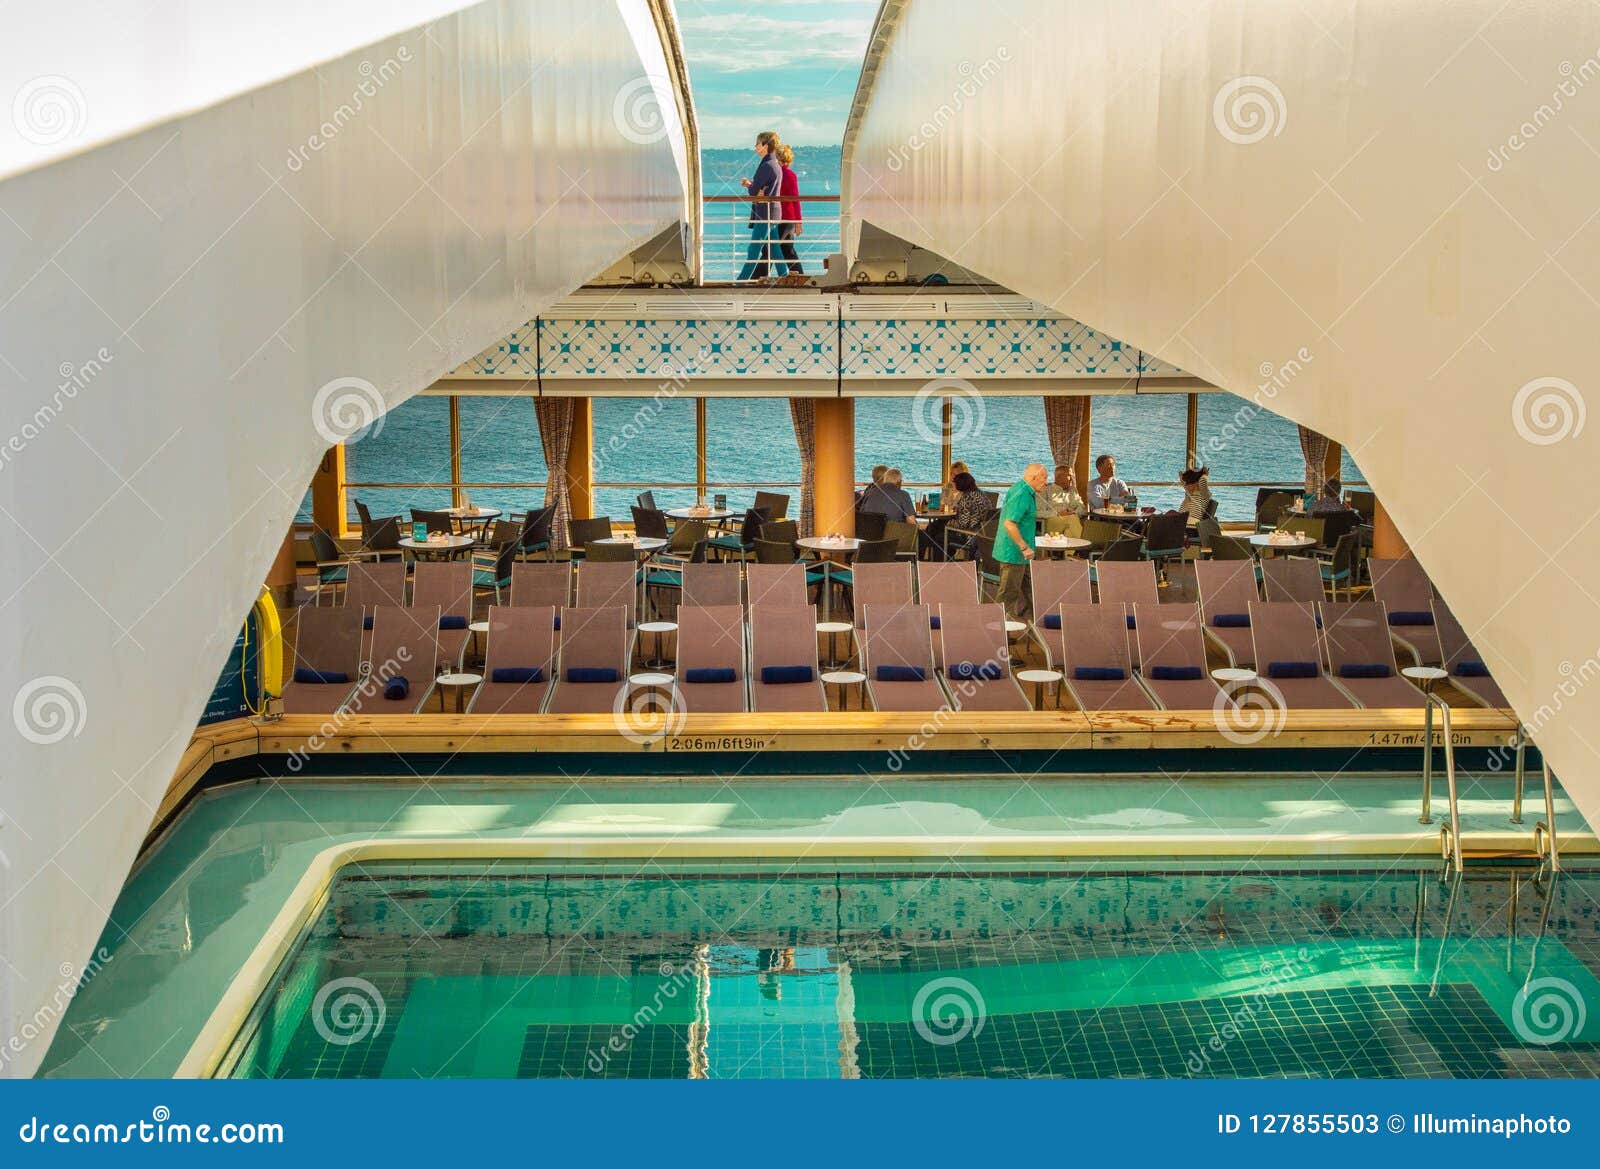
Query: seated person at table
[[1329, 502], [889, 498], [1196, 493], [1060, 497], [1107, 488], [950, 494], [972, 508]]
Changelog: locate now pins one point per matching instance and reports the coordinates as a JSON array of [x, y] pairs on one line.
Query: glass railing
[[725, 243]]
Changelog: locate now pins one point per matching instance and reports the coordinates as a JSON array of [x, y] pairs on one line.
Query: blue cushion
[[1292, 669], [988, 671], [1231, 621], [558, 621], [1131, 625], [786, 675], [319, 677], [396, 688], [1051, 621], [591, 674], [453, 622], [1411, 617], [1471, 668], [900, 674], [366, 622], [933, 622], [518, 674], [711, 674], [1099, 674], [1177, 673], [1365, 670]]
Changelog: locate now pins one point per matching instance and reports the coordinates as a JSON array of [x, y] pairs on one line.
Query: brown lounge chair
[[975, 659], [547, 585], [446, 586], [371, 585], [1172, 658], [1292, 578], [1361, 655], [712, 586], [1056, 583], [1098, 663], [784, 673], [327, 660], [1405, 589], [885, 586], [519, 661], [897, 658], [605, 583], [1130, 583], [1227, 588], [1468, 674], [948, 582], [595, 651], [710, 674], [777, 586], [1289, 657], [405, 646]]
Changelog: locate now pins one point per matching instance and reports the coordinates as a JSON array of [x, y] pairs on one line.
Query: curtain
[[1063, 422], [555, 438], [804, 413], [1314, 447]]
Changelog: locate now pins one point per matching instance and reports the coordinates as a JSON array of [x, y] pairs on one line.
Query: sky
[[784, 65]]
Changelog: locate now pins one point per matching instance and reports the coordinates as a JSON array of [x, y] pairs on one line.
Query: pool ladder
[[1544, 851]]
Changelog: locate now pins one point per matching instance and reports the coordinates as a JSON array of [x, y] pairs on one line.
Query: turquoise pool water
[[645, 971]]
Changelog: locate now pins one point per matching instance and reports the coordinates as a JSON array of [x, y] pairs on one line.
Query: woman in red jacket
[[789, 189]]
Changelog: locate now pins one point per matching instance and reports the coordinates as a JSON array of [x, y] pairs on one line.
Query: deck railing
[[725, 235]]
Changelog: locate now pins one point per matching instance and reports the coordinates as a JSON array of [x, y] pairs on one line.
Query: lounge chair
[[785, 675], [592, 671], [1468, 674], [950, 582], [711, 586], [1405, 589], [710, 673], [1361, 655], [369, 586], [327, 660], [1172, 658], [1127, 583], [897, 658], [1056, 583], [602, 584], [545, 584], [1099, 664], [1292, 578], [446, 586], [780, 586], [1288, 652], [518, 661], [884, 586], [974, 658], [1227, 588], [404, 659]]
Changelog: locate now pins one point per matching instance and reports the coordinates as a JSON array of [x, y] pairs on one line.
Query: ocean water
[[750, 441]]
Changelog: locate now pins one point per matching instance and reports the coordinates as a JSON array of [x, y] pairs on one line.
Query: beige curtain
[[555, 438], [1314, 447], [1063, 421], [804, 413]]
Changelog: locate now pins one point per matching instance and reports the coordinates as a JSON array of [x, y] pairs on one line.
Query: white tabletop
[[650, 678], [1067, 543], [479, 627], [1039, 676], [927, 517], [834, 627], [1425, 673], [843, 677], [710, 513], [1016, 626], [642, 543], [1265, 540], [1232, 674], [459, 679], [1124, 514], [658, 626], [440, 544], [473, 513], [824, 544]]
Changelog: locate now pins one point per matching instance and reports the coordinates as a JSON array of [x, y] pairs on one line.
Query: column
[[580, 460], [1085, 461], [836, 466], [328, 494], [1387, 542], [281, 576]]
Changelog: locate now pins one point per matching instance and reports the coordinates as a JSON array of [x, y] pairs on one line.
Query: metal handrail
[[1451, 832], [725, 240]]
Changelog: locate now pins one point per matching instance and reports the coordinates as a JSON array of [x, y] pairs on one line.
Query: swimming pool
[[740, 969]]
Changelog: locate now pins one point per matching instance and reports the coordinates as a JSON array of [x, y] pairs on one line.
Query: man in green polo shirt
[[1013, 541]]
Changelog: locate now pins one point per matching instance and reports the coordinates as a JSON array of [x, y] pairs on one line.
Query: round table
[[446, 546], [843, 678], [653, 680], [1300, 543], [833, 629], [474, 517], [826, 547], [1231, 675], [1040, 679], [479, 629], [927, 517], [1053, 543], [1123, 517], [460, 684], [710, 513], [660, 629], [642, 545], [1425, 676]]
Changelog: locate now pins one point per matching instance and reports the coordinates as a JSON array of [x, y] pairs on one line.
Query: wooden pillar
[[328, 494], [281, 576], [1332, 465], [1191, 441], [700, 448], [580, 460], [1084, 463], [836, 466], [946, 443], [458, 497], [1387, 542]]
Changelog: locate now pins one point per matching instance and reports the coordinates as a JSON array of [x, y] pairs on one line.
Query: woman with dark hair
[[1196, 493], [972, 509]]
